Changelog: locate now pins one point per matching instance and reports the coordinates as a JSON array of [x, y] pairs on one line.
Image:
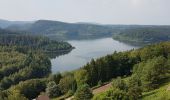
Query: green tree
[[81, 77], [67, 83], [83, 93], [152, 72], [55, 77], [53, 90], [134, 87], [113, 94], [30, 88], [119, 84], [16, 96]]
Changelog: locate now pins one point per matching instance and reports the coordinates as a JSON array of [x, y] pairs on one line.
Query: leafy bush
[[83, 93]]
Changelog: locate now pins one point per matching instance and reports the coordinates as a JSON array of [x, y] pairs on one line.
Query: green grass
[[158, 94]]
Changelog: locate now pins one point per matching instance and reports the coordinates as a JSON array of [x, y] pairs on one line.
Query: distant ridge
[[6, 23], [62, 30], [58, 30]]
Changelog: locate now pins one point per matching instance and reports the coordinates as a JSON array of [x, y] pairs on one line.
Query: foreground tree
[[55, 77], [81, 77], [83, 93], [152, 72], [67, 83], [16, 96], [30, 88], [119, 84], [134, 88], [52, 89], [122, 91]]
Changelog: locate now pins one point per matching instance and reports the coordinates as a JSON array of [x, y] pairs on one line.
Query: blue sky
[[99, 11]]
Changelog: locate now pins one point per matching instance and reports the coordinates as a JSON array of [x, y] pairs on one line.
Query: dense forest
[[16, 66], [33, 42], [25, 76], [25, 68], [146, 68], [23, 60]]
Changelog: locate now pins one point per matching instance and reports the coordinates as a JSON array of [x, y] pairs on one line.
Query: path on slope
[[102, 88], [97, 90]]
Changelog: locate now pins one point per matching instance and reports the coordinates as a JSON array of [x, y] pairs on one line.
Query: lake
[[85, 50]]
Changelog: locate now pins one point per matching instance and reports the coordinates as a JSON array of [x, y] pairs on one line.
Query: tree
[[83, 93], [134, 87], [152, 72], [119, 84], [16, 96], [55, 77], [30, 88], [113, 94], [3, 95], [81, 77], [67, 83], [52, 89]]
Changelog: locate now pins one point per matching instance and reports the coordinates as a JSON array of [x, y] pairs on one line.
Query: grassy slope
[[158, 94]]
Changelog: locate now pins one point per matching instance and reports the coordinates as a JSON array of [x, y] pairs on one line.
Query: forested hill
[[25, 75], [23, 59], [144, 34], [144, 70], [61, 30], [6, 23], [128, 33], [25, 41]]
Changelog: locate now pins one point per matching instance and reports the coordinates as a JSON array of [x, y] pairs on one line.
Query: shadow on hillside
[[53, 55]]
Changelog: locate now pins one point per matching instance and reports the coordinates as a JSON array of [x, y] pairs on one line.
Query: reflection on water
[[53, 55], [84, 51]]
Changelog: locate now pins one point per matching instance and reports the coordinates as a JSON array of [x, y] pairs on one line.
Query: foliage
[[134, 88], [34, 66], [119, 84], [161, 93], [55, 77], [24, 42], [83, 93], [16, 96], [30, 89], [122, 64], [152, 72], [115, 94], [67, 83], [52, 89], [149, 72], [81, 77], [23, 61], [121, 91], [105, 68], [25, 69]]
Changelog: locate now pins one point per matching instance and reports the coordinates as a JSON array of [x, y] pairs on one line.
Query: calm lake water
[[84, 51]]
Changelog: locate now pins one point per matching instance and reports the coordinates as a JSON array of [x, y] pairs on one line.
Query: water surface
[[84, 51]]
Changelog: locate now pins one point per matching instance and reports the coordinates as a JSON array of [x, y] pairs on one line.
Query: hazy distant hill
[[6, 23], [61, 30], [144, 34], [126, 33]]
